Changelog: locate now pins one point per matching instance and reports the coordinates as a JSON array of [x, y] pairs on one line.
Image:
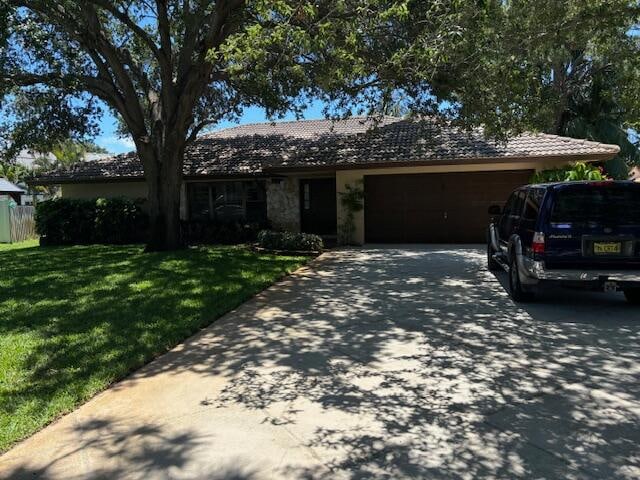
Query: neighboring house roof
[[7, 187], [27, 158], [263, 148]]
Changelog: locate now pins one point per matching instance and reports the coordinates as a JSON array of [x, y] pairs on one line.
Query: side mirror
[[495, 210]]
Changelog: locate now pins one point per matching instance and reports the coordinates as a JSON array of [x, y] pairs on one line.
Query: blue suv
[[571, 234]]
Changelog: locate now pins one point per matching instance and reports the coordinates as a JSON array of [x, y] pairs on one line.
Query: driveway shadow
[[418, 351], [412, 362]]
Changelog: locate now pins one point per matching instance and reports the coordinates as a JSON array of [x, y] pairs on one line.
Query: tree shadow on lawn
[[394, 363], [81, 317]]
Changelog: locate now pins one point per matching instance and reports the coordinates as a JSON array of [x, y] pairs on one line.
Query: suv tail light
[[538, 243]]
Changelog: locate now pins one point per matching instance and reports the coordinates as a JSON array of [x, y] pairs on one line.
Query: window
[[518, 204], [515, 204], [598, 205], [307, 196], [532, 204], [228, 201], [199, 205], [256, 202]]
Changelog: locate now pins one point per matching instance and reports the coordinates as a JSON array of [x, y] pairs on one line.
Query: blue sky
[[109, 138]]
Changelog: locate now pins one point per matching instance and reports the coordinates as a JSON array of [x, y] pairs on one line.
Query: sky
[[109, 138]]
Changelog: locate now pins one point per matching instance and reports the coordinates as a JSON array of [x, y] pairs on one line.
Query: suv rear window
[[607, 204]]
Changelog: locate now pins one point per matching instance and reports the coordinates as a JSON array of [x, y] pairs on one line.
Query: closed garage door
[[435, 207]]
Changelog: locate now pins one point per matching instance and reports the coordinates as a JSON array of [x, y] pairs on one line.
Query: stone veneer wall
[[283, 204]]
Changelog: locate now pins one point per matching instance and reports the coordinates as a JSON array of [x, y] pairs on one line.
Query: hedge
[[64, 221], [292, 242], [229, 233]]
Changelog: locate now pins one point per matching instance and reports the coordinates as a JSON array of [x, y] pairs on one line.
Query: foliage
[[73, 320], [169, 69], [567, 67], [571, 173], [66, 153], [14, 172], [595, 113], [207, 232], [352, 200], [64, 221], [534, 57], [289, 241]]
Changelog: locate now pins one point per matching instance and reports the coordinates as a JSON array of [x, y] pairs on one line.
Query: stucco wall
[[346, 177], [133, 190], [283, 204]]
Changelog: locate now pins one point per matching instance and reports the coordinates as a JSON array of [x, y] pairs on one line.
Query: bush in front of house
[[67, 221], [290, 242], [571, 173], [226, 233]]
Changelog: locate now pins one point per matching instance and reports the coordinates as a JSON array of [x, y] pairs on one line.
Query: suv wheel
[[515, 287], [632, 295], [492, 265]]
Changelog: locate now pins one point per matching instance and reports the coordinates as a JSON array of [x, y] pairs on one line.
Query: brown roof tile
[[257, 149]]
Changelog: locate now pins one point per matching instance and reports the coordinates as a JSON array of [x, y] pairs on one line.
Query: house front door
[[318, 206]]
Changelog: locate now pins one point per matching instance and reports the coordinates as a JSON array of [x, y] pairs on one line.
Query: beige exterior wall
[[350, 177], [133, 190]]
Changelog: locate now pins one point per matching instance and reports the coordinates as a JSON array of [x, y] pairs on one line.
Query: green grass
[[75, 319], [19, 245]]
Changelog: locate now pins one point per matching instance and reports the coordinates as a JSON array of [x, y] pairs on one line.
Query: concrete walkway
[[374, 363]]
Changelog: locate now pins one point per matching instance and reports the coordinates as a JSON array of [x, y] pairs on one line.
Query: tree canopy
[[568, 67], [170, 68]]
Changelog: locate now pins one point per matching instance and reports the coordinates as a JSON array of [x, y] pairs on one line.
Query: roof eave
[[464, 161], [139, 178], [72, 180]]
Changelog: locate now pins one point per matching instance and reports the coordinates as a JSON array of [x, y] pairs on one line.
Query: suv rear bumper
[[536, 271]]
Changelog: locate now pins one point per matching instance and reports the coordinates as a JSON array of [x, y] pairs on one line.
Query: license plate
[[607, 247]]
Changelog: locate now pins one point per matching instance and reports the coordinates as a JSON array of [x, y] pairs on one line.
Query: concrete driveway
[[374, 363]]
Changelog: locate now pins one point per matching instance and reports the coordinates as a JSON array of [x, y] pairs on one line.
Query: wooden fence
[[23, 224]]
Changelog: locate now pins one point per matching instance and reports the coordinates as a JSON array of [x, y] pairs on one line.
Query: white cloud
[[116, 144]]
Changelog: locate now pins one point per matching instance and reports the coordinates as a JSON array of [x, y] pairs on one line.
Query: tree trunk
[[561, 115], [164, 178]]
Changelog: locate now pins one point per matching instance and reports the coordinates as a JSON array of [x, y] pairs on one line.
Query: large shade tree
[[569, 67], [169, 68]]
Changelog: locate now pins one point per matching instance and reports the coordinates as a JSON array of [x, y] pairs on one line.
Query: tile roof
[[266, 147]]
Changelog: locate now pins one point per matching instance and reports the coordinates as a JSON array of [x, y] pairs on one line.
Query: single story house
[[423, 181], [9, 190]]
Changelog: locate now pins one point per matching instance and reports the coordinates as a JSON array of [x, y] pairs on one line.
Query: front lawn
[[75, 319], [19, 245]]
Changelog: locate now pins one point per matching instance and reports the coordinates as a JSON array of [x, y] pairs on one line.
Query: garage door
[[434, 207]]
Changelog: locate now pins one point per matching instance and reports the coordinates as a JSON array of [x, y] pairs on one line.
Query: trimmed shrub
[[225, 233], [288, 241], [67, 221]]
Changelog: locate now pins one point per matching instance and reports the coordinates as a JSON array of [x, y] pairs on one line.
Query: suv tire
[[515, 287], [492, 265], [632, 295]]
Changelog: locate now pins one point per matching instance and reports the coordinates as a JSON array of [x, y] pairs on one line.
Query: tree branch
[[128, 21]]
